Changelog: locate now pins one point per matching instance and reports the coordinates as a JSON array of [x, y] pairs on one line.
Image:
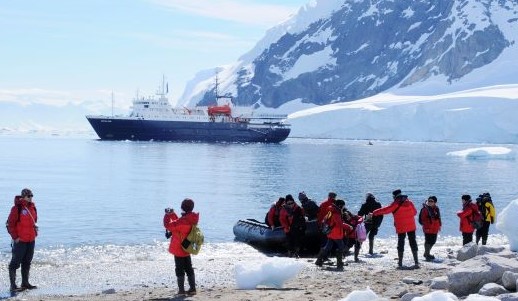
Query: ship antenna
[[112, 103], [216, 88]]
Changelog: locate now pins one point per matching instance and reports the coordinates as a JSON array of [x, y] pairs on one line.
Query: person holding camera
[[180, 228], [23, 228]]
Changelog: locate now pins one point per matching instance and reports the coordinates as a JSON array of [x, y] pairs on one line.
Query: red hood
[[18, 200]]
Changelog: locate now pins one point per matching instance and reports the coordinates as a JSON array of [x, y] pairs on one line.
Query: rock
[[467, 251], [482, 250], [439, 283], [508, 297], [492, 289], [408, 280], [469, 276], [509, 280], [109, 291], [410, 296]]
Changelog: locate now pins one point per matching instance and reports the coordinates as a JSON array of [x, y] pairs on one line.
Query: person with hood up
[[294, 225], [180, 228], [371, 224], [336, 236], [430, 219], [309, 206], [468, 210], [23, 228], [404, 212]]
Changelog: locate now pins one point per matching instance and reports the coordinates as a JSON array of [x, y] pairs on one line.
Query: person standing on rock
[[468, 210], [404, 212], [430, 219]]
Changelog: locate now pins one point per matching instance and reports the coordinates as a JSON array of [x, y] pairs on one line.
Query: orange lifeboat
[[220, 110]]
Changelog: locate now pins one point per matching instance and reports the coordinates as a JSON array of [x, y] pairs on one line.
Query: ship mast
[[112, 103]]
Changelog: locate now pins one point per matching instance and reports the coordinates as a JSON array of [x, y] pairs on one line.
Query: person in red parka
[[180, 228], [23, 228], [404, 213], [294, 225], [468, 209], [336, 236], [430, 219], [273, 215]]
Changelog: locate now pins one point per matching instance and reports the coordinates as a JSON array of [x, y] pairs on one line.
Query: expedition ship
[[153, 118]]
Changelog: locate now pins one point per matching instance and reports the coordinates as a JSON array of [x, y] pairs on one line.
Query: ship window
[[146, 106]]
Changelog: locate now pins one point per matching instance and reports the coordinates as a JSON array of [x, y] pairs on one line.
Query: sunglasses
[[30, 196], [290, 203], [432, 201]]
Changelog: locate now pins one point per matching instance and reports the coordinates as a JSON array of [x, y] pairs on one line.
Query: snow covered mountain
[[336, 51]]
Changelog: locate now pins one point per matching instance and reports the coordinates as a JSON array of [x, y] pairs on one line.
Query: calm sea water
[[96, 193]]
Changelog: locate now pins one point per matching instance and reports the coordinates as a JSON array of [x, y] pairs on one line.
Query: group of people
[[338, 226]]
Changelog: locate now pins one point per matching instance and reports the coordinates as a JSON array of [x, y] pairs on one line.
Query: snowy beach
[[149, 274]]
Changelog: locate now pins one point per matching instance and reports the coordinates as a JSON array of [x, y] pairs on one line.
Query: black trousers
[[22, 255], [183, 266], [430, 239], [483, 232], [467, 238], [295, 238], [371, 231], [411, 241]]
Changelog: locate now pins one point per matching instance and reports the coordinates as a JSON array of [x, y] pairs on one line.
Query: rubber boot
[[320, 258], [181, 288], [427, 252], [371, 246], [192, 285], [339, 261], [356, 253], [12, 279], [400, 259], [416, 259], [25, 278]]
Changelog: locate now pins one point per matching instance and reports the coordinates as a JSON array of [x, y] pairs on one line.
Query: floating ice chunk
[[485, 153]]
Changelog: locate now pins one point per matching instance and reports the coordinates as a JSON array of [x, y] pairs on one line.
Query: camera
[[169, 210], [168, 234]]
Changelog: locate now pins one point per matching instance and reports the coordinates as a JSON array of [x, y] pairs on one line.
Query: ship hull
[[112, 128]]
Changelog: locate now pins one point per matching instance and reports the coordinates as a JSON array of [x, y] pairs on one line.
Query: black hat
[[303, 196], [370, 197], [340, 203], [289, 197], [433, 197], [466, 197], [332, 195], [187, 205], [396, 193]]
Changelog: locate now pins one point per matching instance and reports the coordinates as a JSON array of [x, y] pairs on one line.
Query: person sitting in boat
[[335, 237], [351, 239], [309, 206], [294, 225], [272, 216]]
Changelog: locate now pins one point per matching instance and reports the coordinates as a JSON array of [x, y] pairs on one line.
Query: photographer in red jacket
[[404, 220], [23, 228]]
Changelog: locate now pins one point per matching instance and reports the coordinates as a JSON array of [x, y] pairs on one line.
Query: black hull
[[146, 130], [263, 237]]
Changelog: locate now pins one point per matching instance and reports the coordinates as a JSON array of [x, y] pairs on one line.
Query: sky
[[61, 51]]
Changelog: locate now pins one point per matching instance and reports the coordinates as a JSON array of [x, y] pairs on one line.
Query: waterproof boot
[[181, 281], [339, 261], [371, 246], [25, 279], [416, 259], [399, 259], [356, 253], [192, 285], [426, 254], [12, 279], [320, 258]]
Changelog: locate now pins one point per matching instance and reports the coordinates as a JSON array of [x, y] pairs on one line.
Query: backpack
[[361, 232], [19, 212], [476, 219], [419, 219], [192, 243]]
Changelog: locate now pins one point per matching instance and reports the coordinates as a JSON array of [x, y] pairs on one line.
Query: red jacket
[[431, 219], [274, 215], [404, 217], [465, 217], [338, 228], [22, 225], [290, 217], [324, 209], [180, 228]]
